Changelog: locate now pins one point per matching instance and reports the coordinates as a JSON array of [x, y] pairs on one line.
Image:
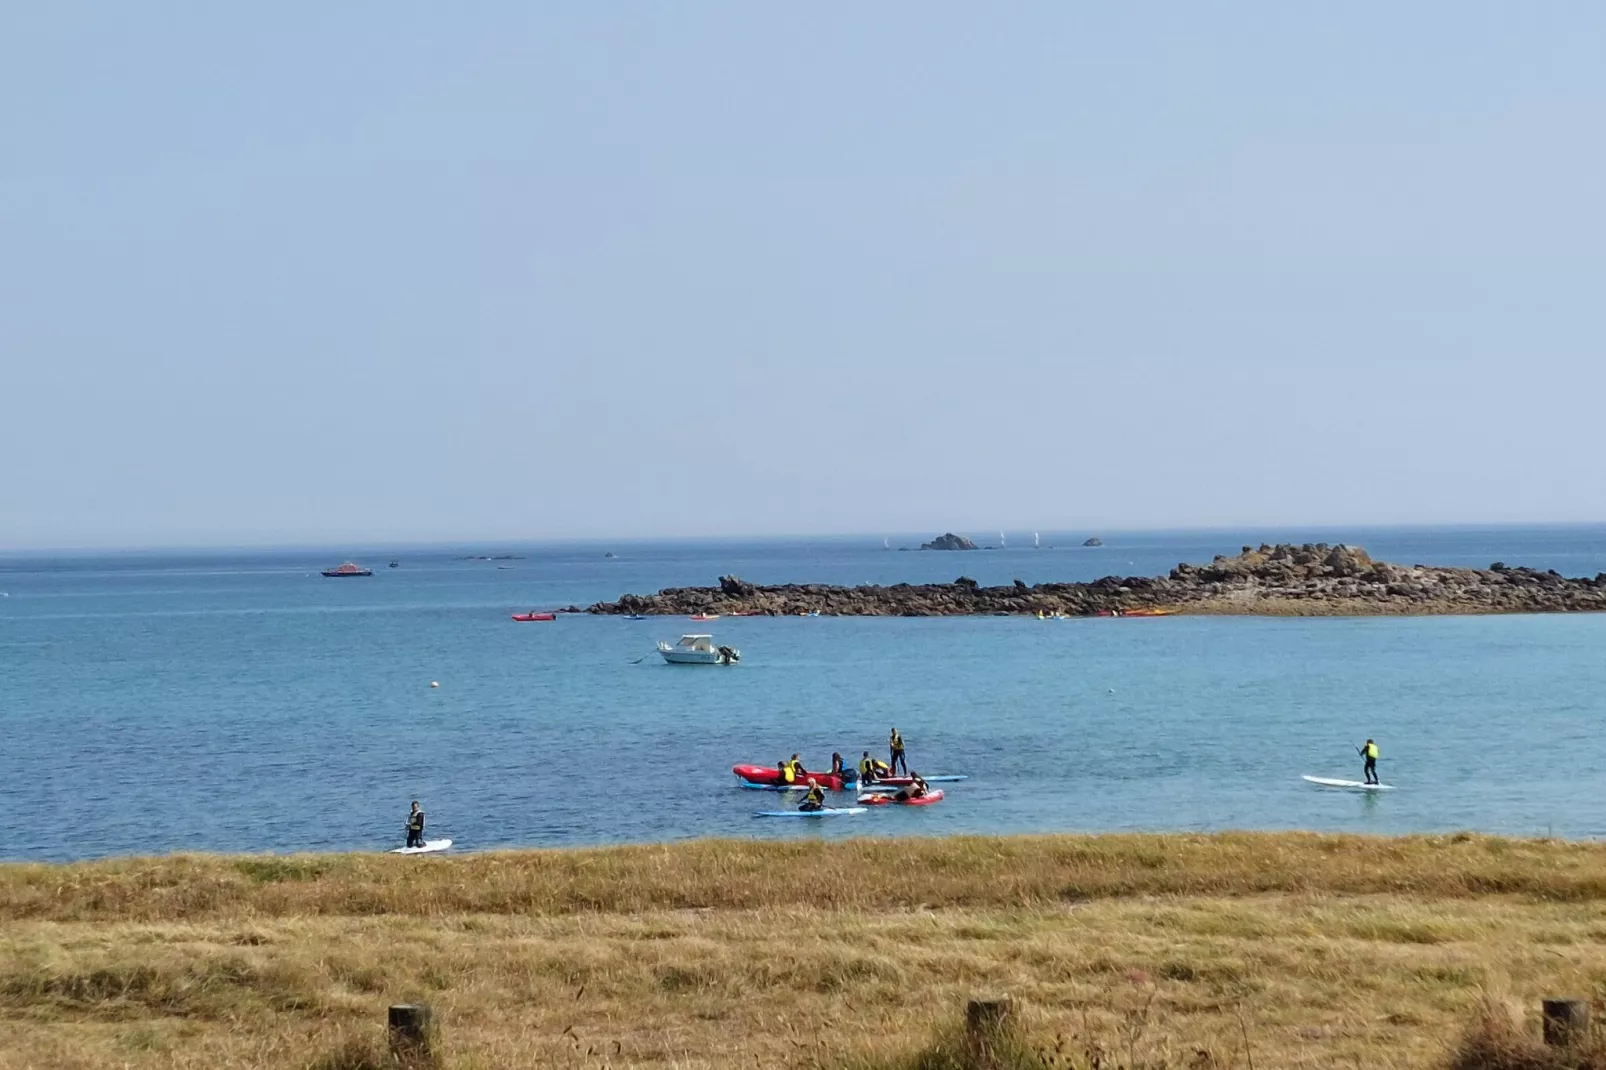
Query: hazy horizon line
[[493, 542]]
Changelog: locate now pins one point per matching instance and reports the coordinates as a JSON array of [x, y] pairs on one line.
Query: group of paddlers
[[870, 771]]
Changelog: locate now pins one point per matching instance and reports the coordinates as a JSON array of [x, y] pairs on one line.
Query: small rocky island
[[949, 541], [1299, 581]]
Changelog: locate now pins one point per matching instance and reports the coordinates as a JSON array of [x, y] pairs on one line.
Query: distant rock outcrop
[[1310, 580], [948, 541], [1094, 541]]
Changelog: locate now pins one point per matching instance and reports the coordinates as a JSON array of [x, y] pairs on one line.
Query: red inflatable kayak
[[882, 800], [768, 774], [534, 616]]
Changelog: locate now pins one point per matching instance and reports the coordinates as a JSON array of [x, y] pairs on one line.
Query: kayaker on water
[[1369, 752], [837, 768], [895, 742], [415, 826], [815, 799], [916, 790]]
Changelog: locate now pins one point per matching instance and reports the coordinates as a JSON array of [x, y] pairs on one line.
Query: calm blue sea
[[156, 702]]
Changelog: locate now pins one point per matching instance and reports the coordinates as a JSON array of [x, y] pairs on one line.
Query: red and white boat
[[525, 617]]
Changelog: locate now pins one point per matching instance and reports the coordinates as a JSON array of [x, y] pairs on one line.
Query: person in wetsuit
[[815, 799], [895, 744], [1369, 752], [837, 767], [415, 826]]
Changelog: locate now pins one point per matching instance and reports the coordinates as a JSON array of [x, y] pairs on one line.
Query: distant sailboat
[[1001, 542], [886, 544], [1036, 544]]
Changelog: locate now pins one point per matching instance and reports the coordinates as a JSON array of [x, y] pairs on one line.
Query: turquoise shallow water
[[240, 702]]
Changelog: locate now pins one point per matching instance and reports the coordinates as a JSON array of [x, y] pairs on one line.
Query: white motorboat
[[698, 650]]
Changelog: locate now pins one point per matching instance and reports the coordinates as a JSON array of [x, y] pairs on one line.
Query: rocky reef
[[1310, 580]]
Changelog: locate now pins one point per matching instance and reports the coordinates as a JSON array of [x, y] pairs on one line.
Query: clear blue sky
[[389, 271]]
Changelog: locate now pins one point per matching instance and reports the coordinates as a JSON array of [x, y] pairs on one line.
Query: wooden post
[[1566, 1021], [989, 1025], [412, 1033]]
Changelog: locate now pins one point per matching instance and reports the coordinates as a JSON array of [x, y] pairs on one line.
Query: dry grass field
[[1124, 951]]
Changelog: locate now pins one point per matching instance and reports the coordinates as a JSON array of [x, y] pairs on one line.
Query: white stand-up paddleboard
[[827, 812], [430, 847], [1347, 785]]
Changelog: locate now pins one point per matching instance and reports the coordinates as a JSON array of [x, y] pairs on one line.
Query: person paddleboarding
[[415, 826], [814, 800], [895, 745], [1369, 752]]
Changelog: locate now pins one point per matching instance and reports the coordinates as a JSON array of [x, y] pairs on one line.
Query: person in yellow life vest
[[788, 774], [1369, 752], [895, 743], [872, 769], [815, 799]]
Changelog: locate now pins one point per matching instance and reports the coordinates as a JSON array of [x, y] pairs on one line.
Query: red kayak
[[882, 800], [768, 774], [534, 616]]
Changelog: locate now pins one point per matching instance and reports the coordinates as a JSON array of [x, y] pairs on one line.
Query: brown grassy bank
[[1320, 951]]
